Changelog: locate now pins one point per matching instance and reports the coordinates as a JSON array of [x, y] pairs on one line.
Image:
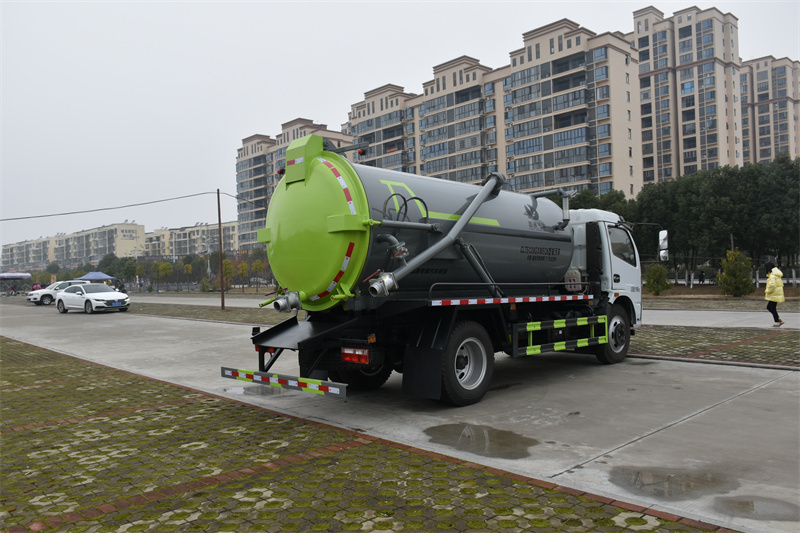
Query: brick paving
[[87, 448], [750, 346]]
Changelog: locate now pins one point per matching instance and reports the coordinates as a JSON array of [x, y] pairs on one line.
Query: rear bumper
[[314, 386]]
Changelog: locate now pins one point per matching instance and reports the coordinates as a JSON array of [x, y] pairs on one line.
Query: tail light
[[355, 355]]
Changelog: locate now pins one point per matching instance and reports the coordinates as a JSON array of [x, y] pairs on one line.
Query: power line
[[111, 208]]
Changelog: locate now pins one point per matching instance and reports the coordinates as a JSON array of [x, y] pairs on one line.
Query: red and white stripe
[[341, 181], [335, 282], [294, 161], [280, 380], [520, 300]]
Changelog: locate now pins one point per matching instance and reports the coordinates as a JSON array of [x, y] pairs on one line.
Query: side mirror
[[663, 245]]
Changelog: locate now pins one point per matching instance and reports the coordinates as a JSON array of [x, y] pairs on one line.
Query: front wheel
[[88, 308], [61, 307], [467, 365], [47, 299], [619, 337]]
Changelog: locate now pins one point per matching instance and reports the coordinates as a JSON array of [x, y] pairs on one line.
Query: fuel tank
[[332, 225]]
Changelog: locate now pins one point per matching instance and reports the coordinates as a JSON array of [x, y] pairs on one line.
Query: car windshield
[[96, 287], [53, 285]]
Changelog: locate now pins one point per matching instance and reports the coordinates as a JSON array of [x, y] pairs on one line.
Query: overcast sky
[[113, 103]]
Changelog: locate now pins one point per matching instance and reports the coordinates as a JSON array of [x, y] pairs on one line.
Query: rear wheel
[[47, 299], [88, 308], [61, 307], [619, 337], [467, 365]]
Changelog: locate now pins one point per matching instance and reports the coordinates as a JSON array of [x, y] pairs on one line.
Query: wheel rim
[[470, 363], [87, 307], [60, 306], [617, 336], [47, 300]]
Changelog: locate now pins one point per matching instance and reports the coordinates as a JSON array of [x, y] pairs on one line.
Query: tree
[[106, 264], [735, 280], [656, 280], [199, 266], [129, 270], [53, 268], [187, 271], [258, 271], [243, 271], [162, 270], [227, 271]]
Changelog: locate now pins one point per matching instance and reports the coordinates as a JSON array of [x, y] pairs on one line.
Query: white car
[[92, 297], [47, 295]]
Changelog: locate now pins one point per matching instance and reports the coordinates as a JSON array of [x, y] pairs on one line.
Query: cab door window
[[622, 245]]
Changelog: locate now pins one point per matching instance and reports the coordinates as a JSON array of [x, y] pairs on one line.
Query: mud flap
[[422, 360]]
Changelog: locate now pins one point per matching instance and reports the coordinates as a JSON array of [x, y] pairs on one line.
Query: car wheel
[[467, 365], [88, 308], [61, 307], [47, 299]]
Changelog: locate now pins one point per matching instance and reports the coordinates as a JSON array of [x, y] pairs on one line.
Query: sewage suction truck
[[431, 278]]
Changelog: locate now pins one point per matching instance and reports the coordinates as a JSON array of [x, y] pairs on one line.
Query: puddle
[[670, 484], [482, 440], [758, 508]]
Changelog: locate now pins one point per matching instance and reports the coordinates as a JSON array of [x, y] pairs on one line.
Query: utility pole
[[221, 272]]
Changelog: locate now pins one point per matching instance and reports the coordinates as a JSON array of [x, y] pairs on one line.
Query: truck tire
[[467, 365], [619, 337], [358, 379]]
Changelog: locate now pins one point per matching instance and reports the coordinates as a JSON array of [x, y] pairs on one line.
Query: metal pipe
[[388, 281]]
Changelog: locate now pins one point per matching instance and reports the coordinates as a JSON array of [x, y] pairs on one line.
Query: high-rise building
[[769, 90], [688, 75], [572, 109], [548, 119], [257, 164]]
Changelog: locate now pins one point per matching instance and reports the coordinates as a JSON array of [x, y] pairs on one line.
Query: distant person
[[773, 294], [36, 287], [702, 277]]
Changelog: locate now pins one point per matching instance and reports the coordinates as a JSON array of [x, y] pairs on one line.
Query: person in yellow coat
[[773, 294]]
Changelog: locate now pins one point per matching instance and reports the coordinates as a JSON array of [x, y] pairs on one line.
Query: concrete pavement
[[661, 436]]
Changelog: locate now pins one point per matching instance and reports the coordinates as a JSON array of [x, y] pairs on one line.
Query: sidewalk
[[106, 450]]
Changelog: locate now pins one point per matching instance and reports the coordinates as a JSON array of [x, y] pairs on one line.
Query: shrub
[[656, 279], [735, 278], [204, 285]]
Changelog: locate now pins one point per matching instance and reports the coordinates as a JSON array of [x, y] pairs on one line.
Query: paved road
[[658, 317], [715, 443]]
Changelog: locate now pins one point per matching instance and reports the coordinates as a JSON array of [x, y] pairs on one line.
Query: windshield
[[52, 285], [96, 287]]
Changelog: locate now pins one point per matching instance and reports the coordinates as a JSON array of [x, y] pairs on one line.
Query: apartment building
[[71, 250], [689, 69], [548, 119], [257, 164], [769, 90], [175, 243]]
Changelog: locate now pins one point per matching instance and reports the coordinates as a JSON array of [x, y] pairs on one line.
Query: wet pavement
[[108, 450], [86, 447]]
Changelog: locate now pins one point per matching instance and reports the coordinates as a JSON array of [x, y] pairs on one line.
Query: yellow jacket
[[774, 290]]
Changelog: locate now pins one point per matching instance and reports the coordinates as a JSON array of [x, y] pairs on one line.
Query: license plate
[[116, 303]]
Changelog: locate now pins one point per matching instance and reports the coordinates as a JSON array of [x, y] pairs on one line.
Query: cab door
[[626, 278]]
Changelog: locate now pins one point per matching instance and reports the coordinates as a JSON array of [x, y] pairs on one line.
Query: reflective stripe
[[313, 386], [526, 299]]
